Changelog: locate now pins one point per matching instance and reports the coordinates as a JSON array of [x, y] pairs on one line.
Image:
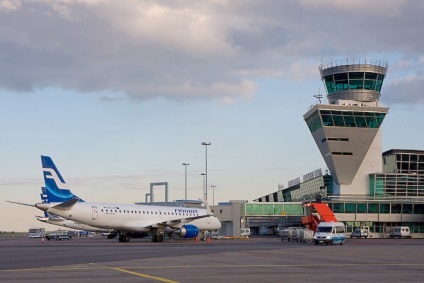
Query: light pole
[[204, 191], [206, 167], [185, 165], [213, 194]]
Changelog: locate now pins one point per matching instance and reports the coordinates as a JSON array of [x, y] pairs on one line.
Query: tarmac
[[258, 259]]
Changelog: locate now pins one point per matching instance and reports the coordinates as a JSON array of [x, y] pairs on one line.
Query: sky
[[121, 93]]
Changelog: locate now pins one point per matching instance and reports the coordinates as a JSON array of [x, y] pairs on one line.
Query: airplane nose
[[42, 206]]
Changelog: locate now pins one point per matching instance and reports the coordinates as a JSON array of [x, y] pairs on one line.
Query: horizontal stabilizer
[[66, 205], [21, 203], [42, 218]]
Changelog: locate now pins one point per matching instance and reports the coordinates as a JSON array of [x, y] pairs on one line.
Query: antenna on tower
[[318, 96]]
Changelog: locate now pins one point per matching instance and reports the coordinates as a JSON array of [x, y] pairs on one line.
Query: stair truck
[[319, 218]]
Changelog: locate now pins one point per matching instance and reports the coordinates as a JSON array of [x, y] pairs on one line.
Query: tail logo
[[50, 173]]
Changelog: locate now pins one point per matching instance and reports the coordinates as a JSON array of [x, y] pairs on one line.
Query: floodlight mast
[[206, 169]]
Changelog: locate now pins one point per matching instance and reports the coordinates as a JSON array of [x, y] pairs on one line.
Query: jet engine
[[187, 231]]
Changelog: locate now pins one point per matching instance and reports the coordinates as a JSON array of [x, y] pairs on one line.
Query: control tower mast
[[347, 131]]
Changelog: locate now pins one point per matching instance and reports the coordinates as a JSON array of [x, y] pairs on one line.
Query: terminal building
[[364, 186]]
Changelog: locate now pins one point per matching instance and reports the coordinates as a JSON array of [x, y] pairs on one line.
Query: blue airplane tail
[[56, 189]]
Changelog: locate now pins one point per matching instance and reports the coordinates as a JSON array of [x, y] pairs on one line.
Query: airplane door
[[94, 212], [160, 214]]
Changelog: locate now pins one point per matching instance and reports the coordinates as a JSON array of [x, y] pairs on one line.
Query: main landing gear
[[124, 237]]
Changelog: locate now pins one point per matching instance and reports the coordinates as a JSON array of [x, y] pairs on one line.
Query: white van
[[245, 232], [400, 232], [359, 233], [330, 233]]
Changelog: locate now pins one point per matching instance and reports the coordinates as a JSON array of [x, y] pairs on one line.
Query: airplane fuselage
[[134, 218]]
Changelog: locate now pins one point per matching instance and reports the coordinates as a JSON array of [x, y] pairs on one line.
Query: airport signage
[[294, 182], [312, 175]]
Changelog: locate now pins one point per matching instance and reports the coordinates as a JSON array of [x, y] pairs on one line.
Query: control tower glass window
[[336, 118], [354, 81]]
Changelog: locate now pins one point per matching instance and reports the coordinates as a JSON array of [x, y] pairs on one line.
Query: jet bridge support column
[[158, 184]]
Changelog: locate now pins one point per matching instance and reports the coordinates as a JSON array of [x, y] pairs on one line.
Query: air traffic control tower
[[348, 130]]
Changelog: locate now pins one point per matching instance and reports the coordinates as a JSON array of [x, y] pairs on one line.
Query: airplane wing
[[176, 223]]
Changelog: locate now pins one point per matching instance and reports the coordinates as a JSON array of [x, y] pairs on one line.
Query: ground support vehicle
[[315, 213], [285, 234], [330, 233], [306, 235], [359, 233], [58, 235], [36, 232], [295, 234], [400, 232]]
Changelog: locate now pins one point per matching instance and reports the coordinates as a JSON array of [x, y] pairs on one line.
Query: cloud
[[9, 5], [406, 90], [193, 50]]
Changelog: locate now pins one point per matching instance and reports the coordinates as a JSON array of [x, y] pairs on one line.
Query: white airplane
[[127, 220]]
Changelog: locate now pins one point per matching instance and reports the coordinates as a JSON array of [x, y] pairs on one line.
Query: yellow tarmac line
[[145, 275]]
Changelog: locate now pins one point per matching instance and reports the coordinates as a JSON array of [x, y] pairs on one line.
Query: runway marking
[[126, 268], [144, 275]]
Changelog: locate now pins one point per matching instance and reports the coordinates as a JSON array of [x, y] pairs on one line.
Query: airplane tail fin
[[208, 209], [56, 189]]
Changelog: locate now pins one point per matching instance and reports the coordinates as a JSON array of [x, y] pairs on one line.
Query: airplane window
[[107, 210], [156, 212], [102, 209], [144, 212]]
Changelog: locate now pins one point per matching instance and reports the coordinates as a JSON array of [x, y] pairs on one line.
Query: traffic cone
[[42, 239], [209, 239]]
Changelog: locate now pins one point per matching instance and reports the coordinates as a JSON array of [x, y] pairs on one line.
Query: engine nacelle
[[187, 231]]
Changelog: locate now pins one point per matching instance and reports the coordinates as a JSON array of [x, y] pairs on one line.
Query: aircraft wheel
[[127, 238]]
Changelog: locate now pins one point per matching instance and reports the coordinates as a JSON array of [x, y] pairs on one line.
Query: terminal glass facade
[[396, 185], [283, 209], [403, 161]]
